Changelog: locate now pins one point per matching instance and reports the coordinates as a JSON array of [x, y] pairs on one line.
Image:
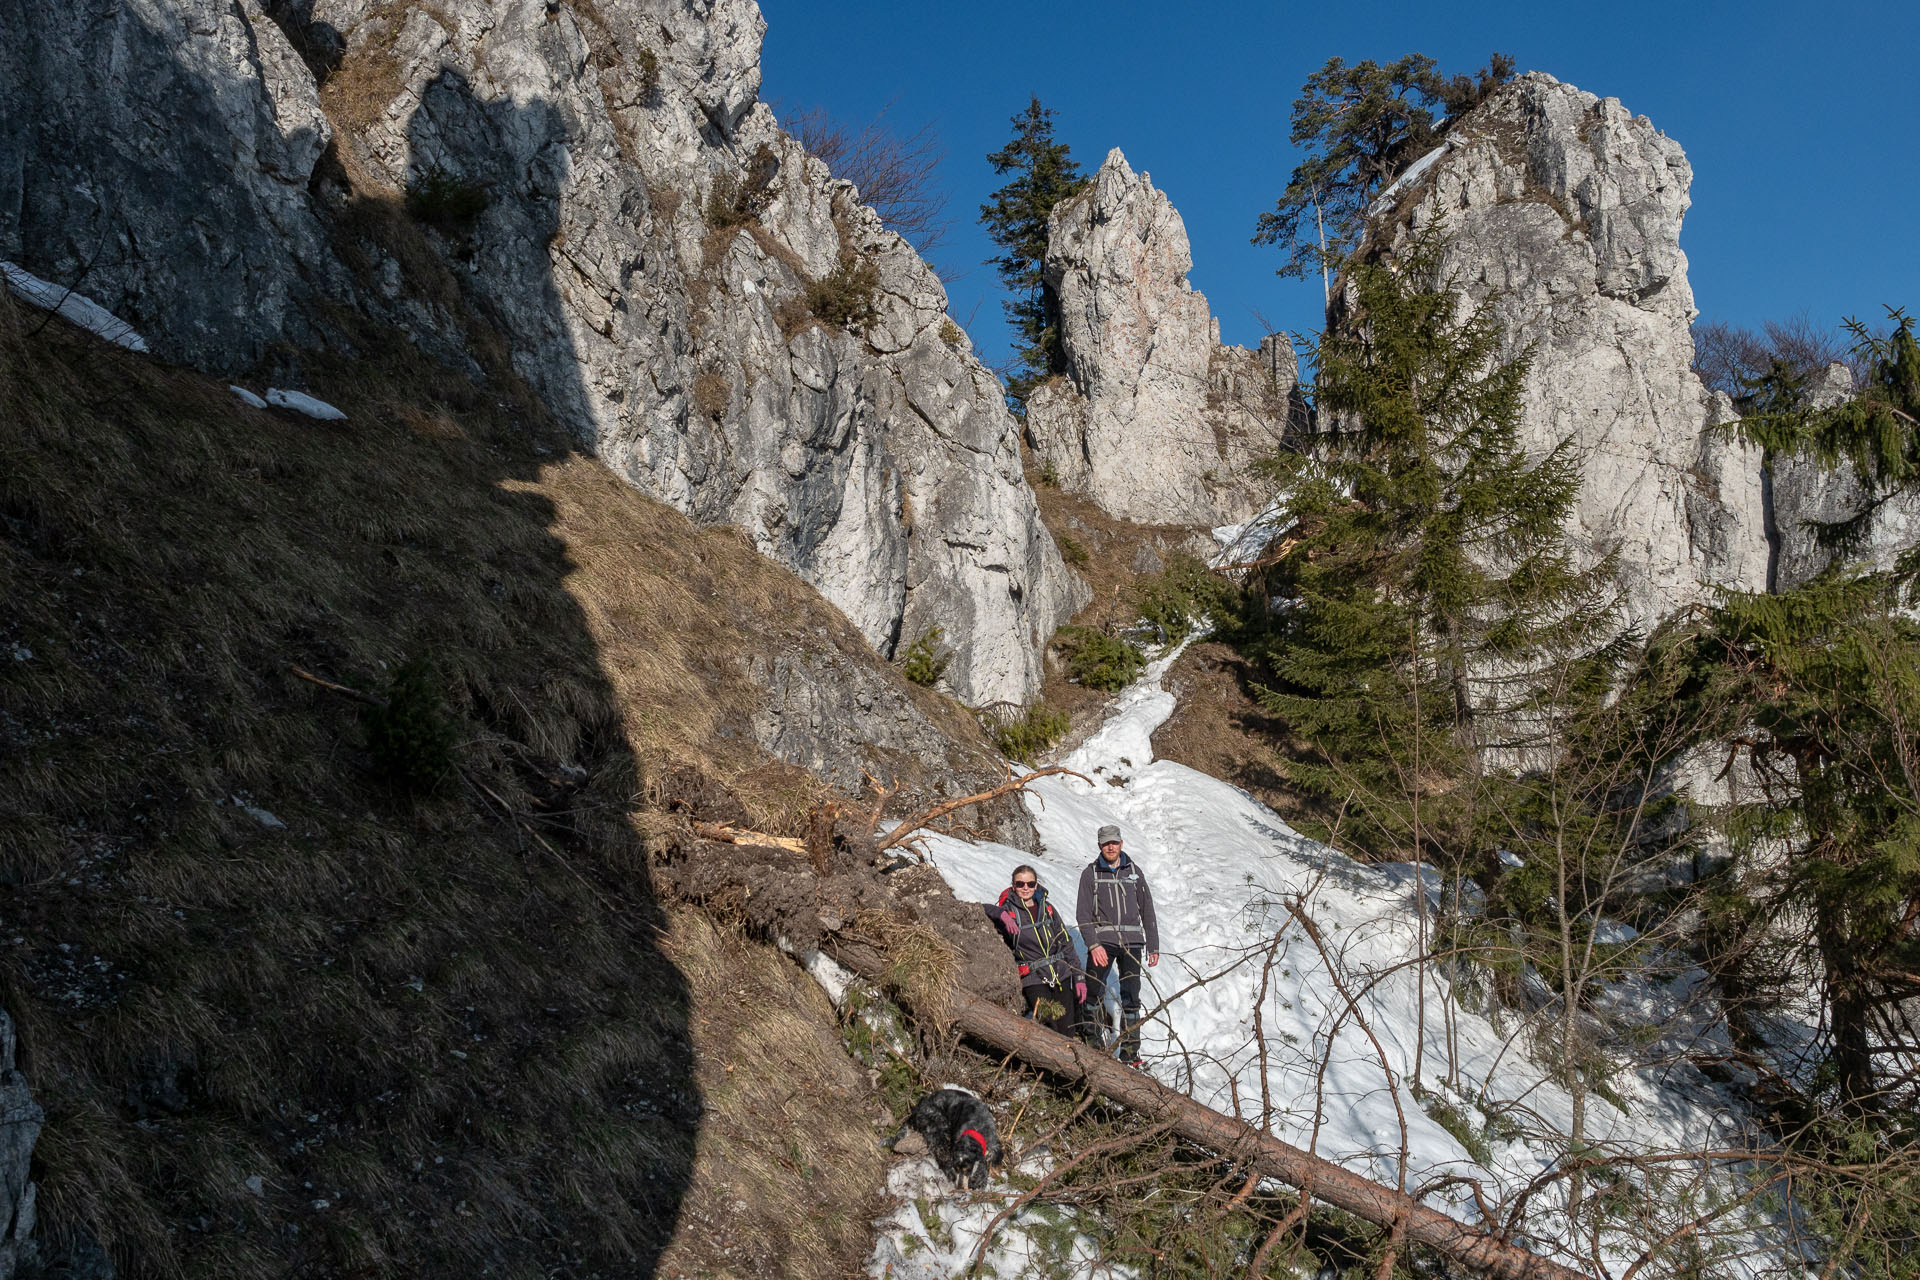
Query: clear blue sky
[[1800, 120]]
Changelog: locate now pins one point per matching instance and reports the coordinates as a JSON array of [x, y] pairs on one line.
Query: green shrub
[[844, 296], [446, 200], [1049, 475], [1098, 660], [950, 333], [1183, 593], [647, 64], [1456, 1123], [410, 739], [1027, 738], [924, 662], [1072, 550]]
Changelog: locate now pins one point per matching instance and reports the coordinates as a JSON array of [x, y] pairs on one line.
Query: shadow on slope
[[287, 1020]]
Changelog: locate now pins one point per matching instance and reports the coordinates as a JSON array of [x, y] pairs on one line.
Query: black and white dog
[[960, 1133]]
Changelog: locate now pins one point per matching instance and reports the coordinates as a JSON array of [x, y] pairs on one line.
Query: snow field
[[1338, 1074]]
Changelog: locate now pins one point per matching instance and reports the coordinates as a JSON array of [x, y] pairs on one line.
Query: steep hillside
[[288, 1018], [691, 296]]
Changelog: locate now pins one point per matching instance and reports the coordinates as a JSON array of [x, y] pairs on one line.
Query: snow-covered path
[[1337, 1077]]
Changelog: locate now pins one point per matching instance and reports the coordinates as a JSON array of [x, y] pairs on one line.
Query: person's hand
[[1153, 959], [1099, 956], [1080, 990]]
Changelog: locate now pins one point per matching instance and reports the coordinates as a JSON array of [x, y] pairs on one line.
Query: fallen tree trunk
[[1311, 1175]]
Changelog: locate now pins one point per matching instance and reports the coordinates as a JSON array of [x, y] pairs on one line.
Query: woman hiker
[[1042, 947]]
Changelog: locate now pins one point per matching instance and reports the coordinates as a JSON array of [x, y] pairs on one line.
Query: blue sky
[[1800, 121]]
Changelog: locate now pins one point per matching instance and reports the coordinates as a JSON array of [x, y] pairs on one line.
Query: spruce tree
[[1044, 174], [1820, 687], [1429, 609]]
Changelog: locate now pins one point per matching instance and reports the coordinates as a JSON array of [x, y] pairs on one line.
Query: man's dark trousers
[[1127, 960]]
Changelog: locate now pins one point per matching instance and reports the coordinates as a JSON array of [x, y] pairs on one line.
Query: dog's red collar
[[975, 1135]]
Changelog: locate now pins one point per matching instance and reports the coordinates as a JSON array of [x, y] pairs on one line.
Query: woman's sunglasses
[[1026, 884]]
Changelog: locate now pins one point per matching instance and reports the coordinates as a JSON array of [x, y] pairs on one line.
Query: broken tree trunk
[[1311, 1175]]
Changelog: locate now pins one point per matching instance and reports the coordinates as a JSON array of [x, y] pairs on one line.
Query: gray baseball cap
[[1108, 833]]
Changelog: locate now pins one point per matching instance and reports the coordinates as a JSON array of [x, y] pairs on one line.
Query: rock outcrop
[[700, 301], [20, 1121], [1800, 490], [1155, 420], [1562, 211]]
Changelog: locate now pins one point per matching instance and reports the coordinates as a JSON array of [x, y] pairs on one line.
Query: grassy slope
[[460, 1022]]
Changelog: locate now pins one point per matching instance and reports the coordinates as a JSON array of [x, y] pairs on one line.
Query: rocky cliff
[[1801, 490], [1563, 211], [698, 300], [20, 1120], [1155, 420]]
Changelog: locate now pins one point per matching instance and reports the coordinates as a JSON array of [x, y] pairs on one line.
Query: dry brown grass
[[767, 1054], [1108, 567], [450, 1019]]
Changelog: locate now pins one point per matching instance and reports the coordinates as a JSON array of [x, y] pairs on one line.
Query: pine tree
[[1044, 174], [1362, 125], [1430, 609]]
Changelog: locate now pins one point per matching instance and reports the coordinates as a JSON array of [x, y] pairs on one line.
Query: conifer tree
[[1044, 174], [1875, 433], [1426, 585], [1821, 688], [1362, 126]]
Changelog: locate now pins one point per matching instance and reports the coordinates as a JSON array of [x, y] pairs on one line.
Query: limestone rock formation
[[705, 306], [1155, 420], [1564, 210]]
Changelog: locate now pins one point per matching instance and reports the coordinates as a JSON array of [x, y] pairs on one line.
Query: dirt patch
[[1219, 727], [1112, 556]]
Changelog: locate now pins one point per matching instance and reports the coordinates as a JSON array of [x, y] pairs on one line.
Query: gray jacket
[[1116, 907]]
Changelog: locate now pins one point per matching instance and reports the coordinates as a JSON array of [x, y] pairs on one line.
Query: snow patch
[[1385, 199], [247, 398], [301, 402], [71, 306]]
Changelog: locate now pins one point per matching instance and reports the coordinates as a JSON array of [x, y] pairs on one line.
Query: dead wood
[[331, 687], [727, 833], [1311, 1175], [933, 813]]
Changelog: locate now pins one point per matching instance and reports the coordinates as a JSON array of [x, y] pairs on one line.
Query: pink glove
[[1080, 990], [1010, 920]]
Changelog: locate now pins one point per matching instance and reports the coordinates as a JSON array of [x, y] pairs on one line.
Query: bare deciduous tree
[[897, 173]]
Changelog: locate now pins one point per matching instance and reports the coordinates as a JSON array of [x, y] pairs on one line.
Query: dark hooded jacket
[[1116, 907], [1041, 944]]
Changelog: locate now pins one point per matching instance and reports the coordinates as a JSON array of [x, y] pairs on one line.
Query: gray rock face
[[20, 1121], [1564, 210], [1800, 490], [865, 448], [155, 154], [1155, 420]]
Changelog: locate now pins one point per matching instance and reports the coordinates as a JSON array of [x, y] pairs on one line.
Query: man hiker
[[1042, 947], [1116, 922]]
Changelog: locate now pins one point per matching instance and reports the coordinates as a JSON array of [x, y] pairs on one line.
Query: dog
[[959, 1131]]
